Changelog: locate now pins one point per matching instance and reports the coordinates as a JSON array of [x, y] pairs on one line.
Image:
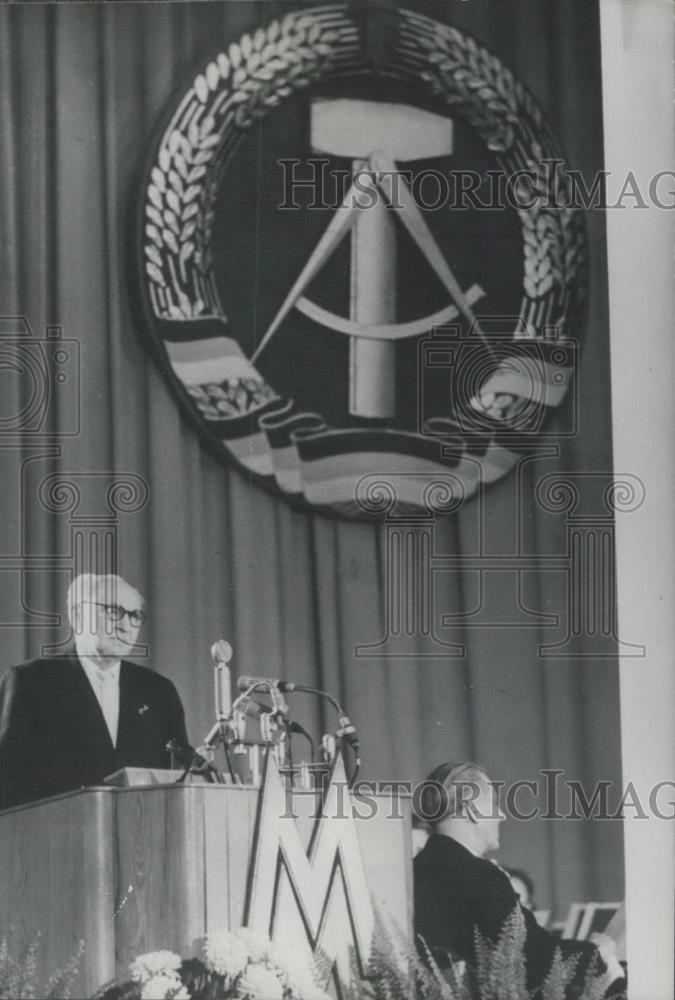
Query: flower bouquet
[[236, 965]]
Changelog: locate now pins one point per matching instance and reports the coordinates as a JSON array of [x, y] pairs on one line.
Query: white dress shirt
[[106, 685]]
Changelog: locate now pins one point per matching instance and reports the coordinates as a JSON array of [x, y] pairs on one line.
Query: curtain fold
[[84, 88]]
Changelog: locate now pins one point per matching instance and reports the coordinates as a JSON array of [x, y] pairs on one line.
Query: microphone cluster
[[276, 727]]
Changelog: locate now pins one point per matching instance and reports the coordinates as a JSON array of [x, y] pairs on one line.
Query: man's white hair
[[89, 586]]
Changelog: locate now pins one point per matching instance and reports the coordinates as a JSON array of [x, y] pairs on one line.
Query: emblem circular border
[[253, 76]]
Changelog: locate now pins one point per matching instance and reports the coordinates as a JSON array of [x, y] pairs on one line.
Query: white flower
[[225, 954], [260, 983], [257, 945], [164, 987], [306, 988], [297, 968], [154, 963]]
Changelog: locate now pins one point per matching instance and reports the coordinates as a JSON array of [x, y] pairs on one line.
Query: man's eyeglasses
[[116, 613]]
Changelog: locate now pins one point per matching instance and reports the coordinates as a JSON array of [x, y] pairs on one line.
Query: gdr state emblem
[[327, 305]]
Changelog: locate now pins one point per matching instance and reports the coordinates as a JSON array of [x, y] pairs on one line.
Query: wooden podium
[[130, 870]]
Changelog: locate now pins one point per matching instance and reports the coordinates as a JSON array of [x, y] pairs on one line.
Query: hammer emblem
[[377, 136]]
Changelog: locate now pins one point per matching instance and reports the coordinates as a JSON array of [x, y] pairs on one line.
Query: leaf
[[190, 211], [223, 65], [173, 200], [158, 179], [175, 181], [153, 254], [170, 240], [181, 166], [277, 65], [201, 88], [171, 221], [155, 197], [164, 158], [153, 214], [155, 274], [207, 126], [234, 53], [212, 76], [153, 233], [186, 251]]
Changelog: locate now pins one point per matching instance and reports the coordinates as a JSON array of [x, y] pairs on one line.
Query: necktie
[[109, 699]]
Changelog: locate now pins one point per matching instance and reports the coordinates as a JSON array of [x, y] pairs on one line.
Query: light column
[[637, 77]]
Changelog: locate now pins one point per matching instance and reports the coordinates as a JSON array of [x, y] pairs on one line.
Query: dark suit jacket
[[455, 892], [53, 737]]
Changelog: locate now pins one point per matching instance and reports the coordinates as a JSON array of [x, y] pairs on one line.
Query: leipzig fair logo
[[360, 260]]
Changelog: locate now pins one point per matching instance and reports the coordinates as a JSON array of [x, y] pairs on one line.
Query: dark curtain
[[83, 89]]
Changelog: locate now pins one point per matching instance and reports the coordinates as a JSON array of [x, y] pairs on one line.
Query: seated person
[[457, 890], [420, 834], [68, 721]]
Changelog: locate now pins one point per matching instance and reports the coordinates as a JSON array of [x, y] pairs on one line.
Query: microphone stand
[[222, 729], [345, 733]]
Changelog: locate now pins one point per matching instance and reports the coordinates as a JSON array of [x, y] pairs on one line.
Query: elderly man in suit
[[68, 721], [459, 891]]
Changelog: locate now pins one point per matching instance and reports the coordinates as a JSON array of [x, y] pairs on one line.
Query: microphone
[[221, 651], [186, 755], [258, 683], [221, 654], [265, 683], [269, 685], [256, 711], [347, 729]]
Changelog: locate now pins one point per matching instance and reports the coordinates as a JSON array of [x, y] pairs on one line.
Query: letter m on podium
[[315, 899]]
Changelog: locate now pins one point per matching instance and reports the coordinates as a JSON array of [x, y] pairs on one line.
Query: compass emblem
[[371, 335]]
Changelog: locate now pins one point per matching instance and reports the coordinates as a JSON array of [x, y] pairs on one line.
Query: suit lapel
[[92, 722], [132, 707]]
